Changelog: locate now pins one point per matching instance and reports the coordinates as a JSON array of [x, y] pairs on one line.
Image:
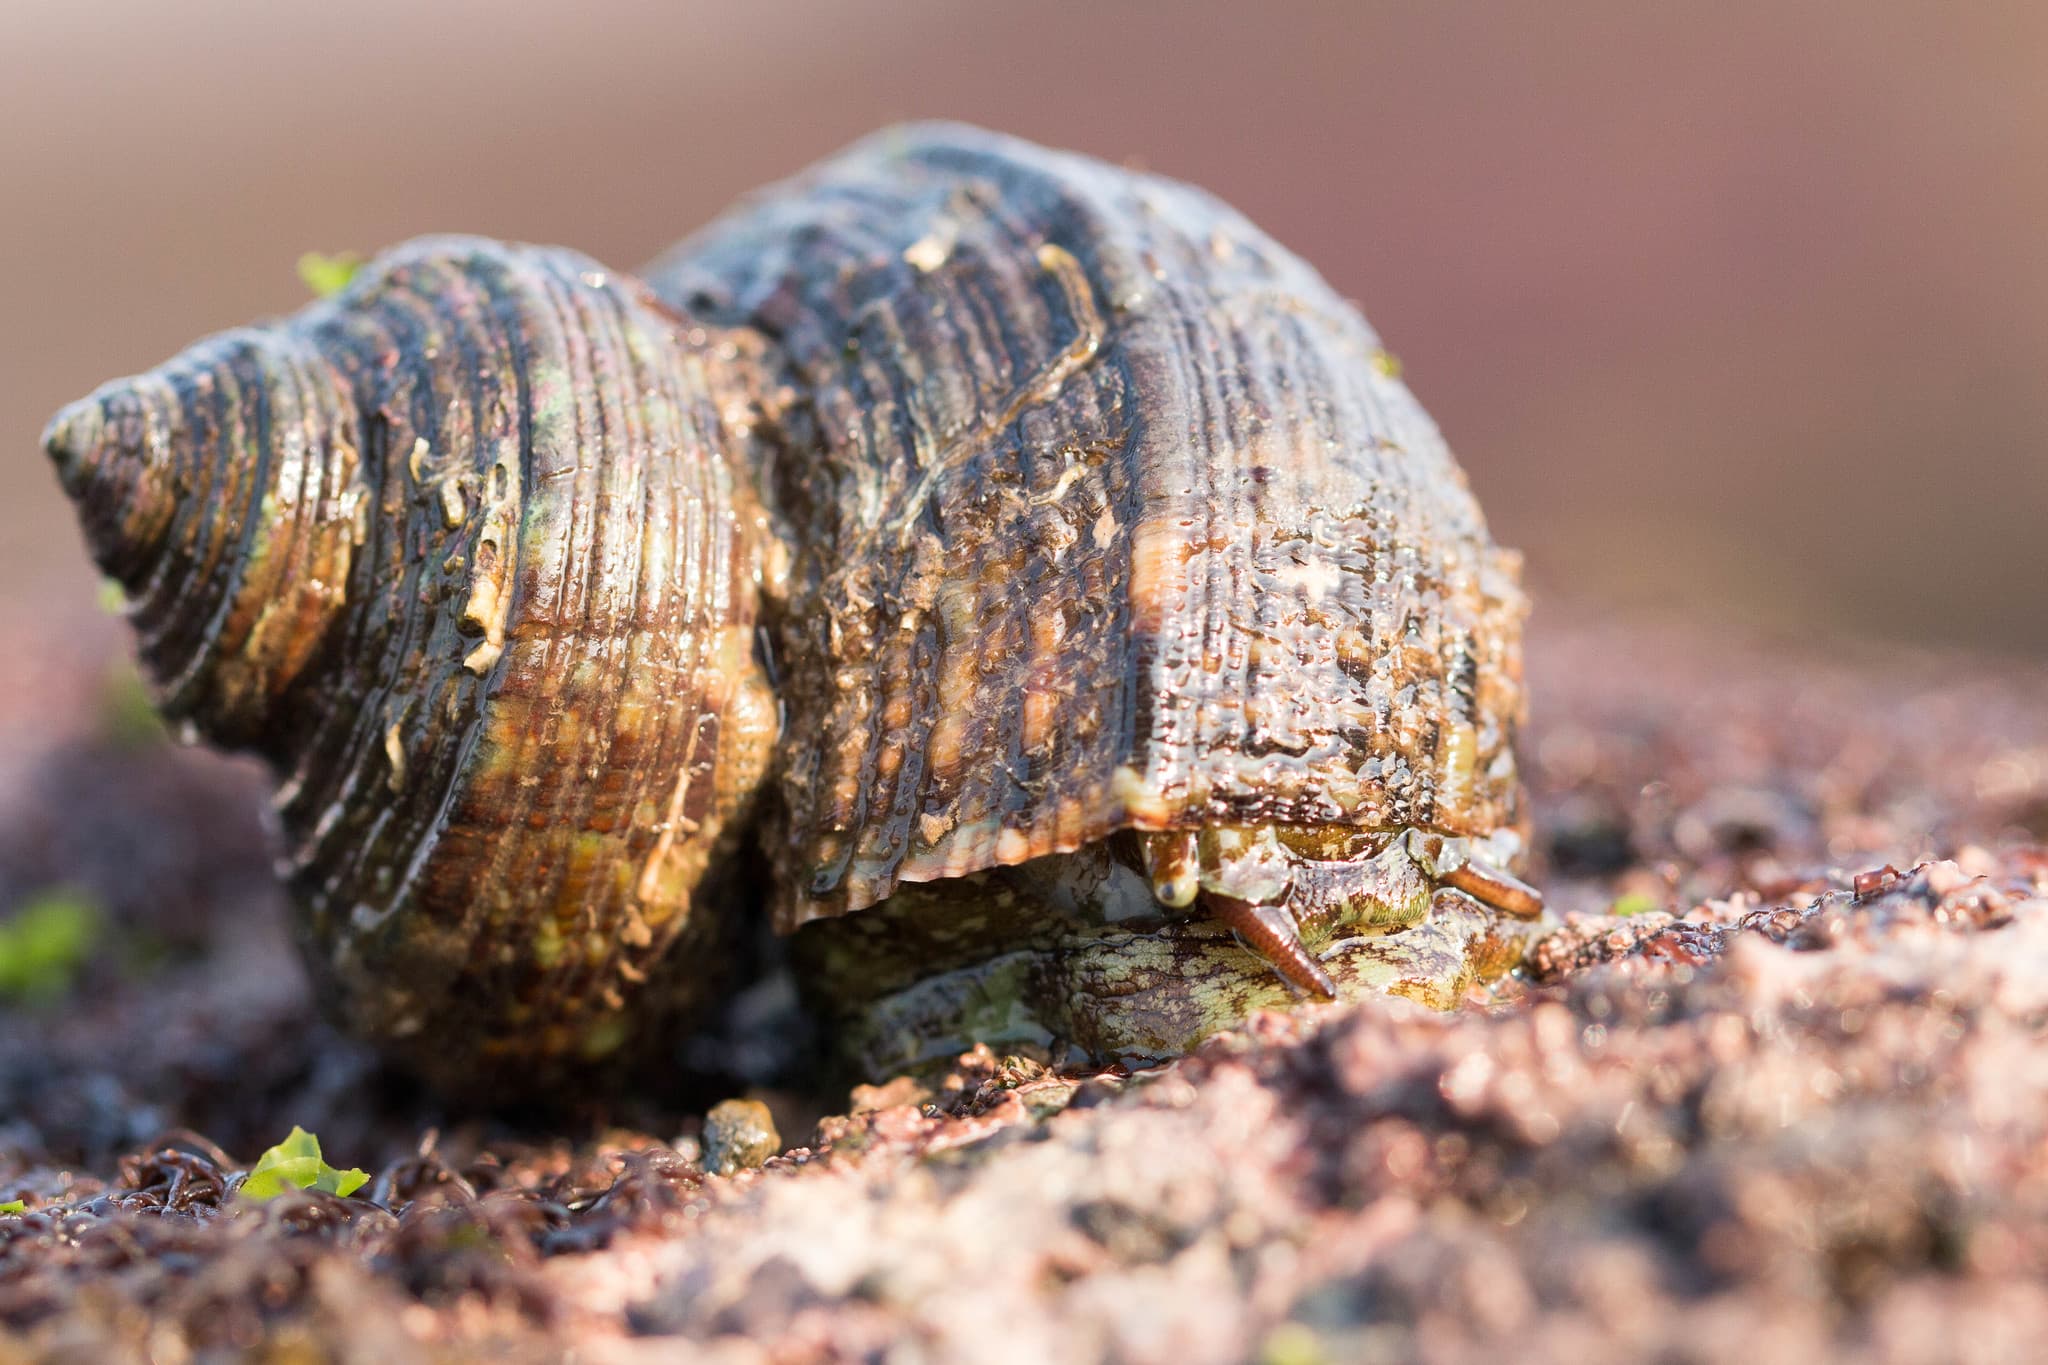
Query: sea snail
[[1045, 568]]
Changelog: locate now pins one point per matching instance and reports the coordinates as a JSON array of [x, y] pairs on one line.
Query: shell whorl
[[461, 553], [1109, 513], [224, 491]]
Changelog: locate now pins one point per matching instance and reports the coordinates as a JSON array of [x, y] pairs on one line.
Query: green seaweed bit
[[1635, 903], [1292, 1343], [128, 717], [328, 275], [45, 942], [295, 1163]]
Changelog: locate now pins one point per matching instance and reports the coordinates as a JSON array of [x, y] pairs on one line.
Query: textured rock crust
[[1793, 1105]]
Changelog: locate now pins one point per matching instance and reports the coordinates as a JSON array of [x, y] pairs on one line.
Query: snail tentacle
[[1270, 931]]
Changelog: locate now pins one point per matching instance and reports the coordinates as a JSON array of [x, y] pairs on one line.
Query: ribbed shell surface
[[1106, 512], [460, 552]]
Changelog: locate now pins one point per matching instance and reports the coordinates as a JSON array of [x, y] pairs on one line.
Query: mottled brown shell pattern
[[460, 553], [1106, 513]]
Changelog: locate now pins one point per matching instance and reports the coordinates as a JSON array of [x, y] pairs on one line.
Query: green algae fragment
[[44, 943], [128, 717], [1291, 1343], [1635, 903], [328, 275], [295, 1164]]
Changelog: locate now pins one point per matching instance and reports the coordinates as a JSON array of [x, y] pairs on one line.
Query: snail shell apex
[[460, 552], [1107, 513]]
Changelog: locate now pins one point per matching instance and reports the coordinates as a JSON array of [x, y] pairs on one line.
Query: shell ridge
[[357, 725], [605, 402], [199, 641], [1013, 825], [219, 648], [459, 790]]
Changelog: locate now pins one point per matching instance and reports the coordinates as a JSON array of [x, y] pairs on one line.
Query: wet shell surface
[[1054, 564], [1107, 514]]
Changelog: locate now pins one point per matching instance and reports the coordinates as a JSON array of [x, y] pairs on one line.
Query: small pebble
[[738, 1136]]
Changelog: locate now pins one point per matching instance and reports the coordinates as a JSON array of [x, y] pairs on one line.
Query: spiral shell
[[1072, 558], [462, 554]]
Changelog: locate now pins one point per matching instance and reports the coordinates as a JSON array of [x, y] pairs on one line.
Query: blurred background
[[1735, 311]]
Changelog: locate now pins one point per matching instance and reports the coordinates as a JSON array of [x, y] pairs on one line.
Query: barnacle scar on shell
[[1041, 564]]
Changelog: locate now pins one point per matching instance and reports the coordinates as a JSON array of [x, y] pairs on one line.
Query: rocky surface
[[1774, 1089]]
